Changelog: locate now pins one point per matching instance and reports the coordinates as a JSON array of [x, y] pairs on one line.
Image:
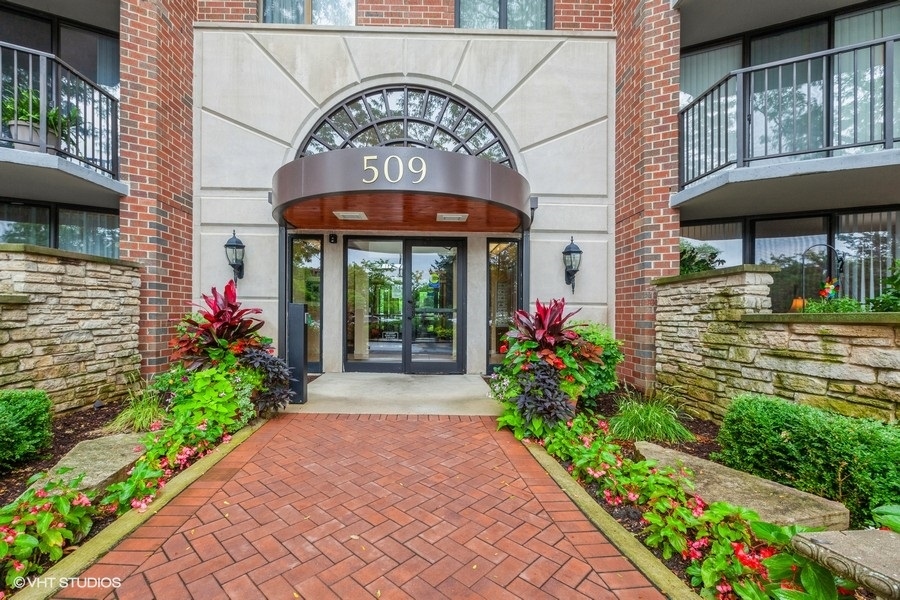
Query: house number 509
[[393, 169]]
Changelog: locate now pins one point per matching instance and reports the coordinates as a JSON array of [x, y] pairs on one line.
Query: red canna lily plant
[[222, 324], [547, 326]]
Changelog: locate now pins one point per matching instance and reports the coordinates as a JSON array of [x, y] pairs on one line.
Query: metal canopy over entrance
[[403, 158], [394, 189]]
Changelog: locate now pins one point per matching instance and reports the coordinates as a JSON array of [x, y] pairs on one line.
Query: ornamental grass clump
[[652, 419]]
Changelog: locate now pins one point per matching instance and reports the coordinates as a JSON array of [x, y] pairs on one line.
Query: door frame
[[406, 365]]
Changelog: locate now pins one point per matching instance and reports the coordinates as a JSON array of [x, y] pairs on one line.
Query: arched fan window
[[412, 116]]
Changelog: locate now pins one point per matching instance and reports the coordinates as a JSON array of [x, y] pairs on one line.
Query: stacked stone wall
[[68, 325], [716, 338]]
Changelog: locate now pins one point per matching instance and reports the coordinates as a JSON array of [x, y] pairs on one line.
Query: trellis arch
[[407, 115]]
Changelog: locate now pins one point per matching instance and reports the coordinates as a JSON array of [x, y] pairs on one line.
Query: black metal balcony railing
[[49, 107], [838, 102]]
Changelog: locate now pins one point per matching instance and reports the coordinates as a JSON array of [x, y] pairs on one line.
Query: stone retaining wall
[[68, 324], [716, 338]]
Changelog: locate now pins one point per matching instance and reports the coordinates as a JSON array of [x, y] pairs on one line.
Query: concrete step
[[773, 502]]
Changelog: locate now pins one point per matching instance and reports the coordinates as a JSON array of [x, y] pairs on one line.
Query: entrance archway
[[403, 164]]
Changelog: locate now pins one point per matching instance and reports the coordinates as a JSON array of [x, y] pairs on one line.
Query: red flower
[[503, 348]]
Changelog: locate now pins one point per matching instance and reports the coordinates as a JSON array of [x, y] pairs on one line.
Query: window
[[415, 117], [798, 247], [869, 243], [504, 14], [504, 294], [24, 224], [310, 12], [725, 239], [89, 232], [306, 288], [85, 231]]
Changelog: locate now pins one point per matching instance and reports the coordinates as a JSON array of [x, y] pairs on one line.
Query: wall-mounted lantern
[[572, 262], [234, 252]]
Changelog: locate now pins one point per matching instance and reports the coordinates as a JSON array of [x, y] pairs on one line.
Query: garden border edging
[[659, 574], [86, 555]]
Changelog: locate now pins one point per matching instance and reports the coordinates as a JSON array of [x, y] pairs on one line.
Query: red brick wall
[[156, 222], [569, 15], [647, 230], [581, 15], [411, 13], [241, 11]]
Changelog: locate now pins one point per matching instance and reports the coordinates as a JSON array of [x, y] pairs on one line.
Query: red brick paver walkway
[[364, 506]]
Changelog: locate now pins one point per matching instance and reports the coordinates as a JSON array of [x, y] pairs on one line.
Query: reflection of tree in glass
[[306, 261]]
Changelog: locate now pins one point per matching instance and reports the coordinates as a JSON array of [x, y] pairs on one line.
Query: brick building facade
[[628, 88]]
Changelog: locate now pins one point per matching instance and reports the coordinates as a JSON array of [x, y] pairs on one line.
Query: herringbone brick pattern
[[366, 506]]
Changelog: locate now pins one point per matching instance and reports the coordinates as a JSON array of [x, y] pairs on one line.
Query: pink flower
[[226, 438], [81, 500], [41, 493], [155, 425], [17, 565]]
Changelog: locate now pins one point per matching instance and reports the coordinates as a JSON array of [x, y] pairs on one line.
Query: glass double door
[[403, 305]]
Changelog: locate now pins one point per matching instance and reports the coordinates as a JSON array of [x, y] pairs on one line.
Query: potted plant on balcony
[[22, 114]]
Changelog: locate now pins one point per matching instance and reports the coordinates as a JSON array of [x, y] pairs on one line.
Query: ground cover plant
[[217, 383]]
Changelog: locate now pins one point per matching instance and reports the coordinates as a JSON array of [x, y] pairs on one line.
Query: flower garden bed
[[223, 376]]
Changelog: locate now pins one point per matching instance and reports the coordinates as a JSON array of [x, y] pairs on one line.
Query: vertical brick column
[[647, 230], [156, 219]]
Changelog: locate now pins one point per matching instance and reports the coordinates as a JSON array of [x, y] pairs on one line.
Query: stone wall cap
[[45, 251], [885, 318], [717, 273]]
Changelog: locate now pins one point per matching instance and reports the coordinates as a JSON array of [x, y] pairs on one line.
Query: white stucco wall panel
[[232, 156], [569, 90], [572, 216], [548, 274], [260, 282], [436, 57], [249, 87], [377, 57], [579, 163], [241, 210], [319, 61], [491, 68]]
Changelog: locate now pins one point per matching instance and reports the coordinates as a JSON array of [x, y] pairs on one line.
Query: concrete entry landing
[[394, 393]]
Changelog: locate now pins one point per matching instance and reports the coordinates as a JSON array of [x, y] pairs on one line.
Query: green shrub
[[25, 425], [652, 419], [854, 461], [835, 305], [601, 377]]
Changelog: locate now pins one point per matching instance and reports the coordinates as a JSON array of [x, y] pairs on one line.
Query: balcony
[[58, 132], [817, 132]]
